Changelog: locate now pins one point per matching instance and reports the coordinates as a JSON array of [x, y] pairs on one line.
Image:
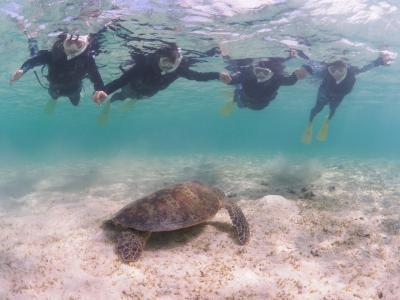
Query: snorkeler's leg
[[333, 105], [319, 105], [324, 131], [51, 104], [322, 100], [75, 97], [75, 100]]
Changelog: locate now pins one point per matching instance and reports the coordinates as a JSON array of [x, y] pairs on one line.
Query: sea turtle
[[179, 206]]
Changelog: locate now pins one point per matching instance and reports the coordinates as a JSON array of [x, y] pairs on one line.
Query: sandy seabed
[[318, 231]]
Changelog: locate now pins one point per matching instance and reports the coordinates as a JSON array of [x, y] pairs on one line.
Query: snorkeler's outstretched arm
[[120, 82], [288, 80], [240, 76], [198, 76], [101, 95], [43, 57], [94, 75], [315, 68], [292, 54], [126, 78], [231, 78], [384, 59]]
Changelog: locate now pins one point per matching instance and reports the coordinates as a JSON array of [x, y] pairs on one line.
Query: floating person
[[256, 82], [69, 61], [338, 79], [150, 74]]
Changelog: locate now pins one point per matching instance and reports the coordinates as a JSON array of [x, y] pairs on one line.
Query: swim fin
[[228, 95], [102, 118], [307, 135], [323, 132], [128, 105], [50, 107], [227, 109]]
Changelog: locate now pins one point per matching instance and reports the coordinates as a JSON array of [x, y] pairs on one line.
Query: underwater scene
[[187, 149]]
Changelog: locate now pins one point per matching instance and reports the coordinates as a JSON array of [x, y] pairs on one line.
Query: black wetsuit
[[257, 95], [145, 78], [329, 92], [65, 76]]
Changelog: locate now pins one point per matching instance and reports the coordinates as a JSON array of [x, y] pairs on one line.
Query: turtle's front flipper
[[239, 221], [130, 245]]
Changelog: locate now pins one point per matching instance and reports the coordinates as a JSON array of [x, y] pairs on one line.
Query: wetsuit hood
[[167, 66], [262, 74], [74, 47], [338, 70]]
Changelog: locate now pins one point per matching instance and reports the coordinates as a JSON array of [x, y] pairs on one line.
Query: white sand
[[343, 243]]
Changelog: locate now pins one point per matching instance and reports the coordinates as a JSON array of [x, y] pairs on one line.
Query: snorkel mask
[[168, 66], [74, 47], [338, 72], [262, 74]]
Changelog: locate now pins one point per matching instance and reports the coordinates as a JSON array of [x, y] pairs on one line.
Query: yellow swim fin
[[323, 132], [227, 109], [102, 118], [228, 94], [50, 107], [307, 135], [128, 105]]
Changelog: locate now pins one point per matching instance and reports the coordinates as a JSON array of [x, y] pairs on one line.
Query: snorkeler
[[338, 79], [150, 74], [69, 61], [256, 82]]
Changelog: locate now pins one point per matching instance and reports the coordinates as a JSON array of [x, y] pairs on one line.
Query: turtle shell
[[171, 208]]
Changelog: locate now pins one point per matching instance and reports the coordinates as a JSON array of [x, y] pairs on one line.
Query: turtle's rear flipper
[[130, 245], [239, 221]]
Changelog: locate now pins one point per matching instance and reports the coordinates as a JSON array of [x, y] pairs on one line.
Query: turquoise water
[[174, 123], [184, 119]]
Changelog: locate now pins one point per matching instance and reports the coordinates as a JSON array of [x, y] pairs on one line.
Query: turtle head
[[220, 194]]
